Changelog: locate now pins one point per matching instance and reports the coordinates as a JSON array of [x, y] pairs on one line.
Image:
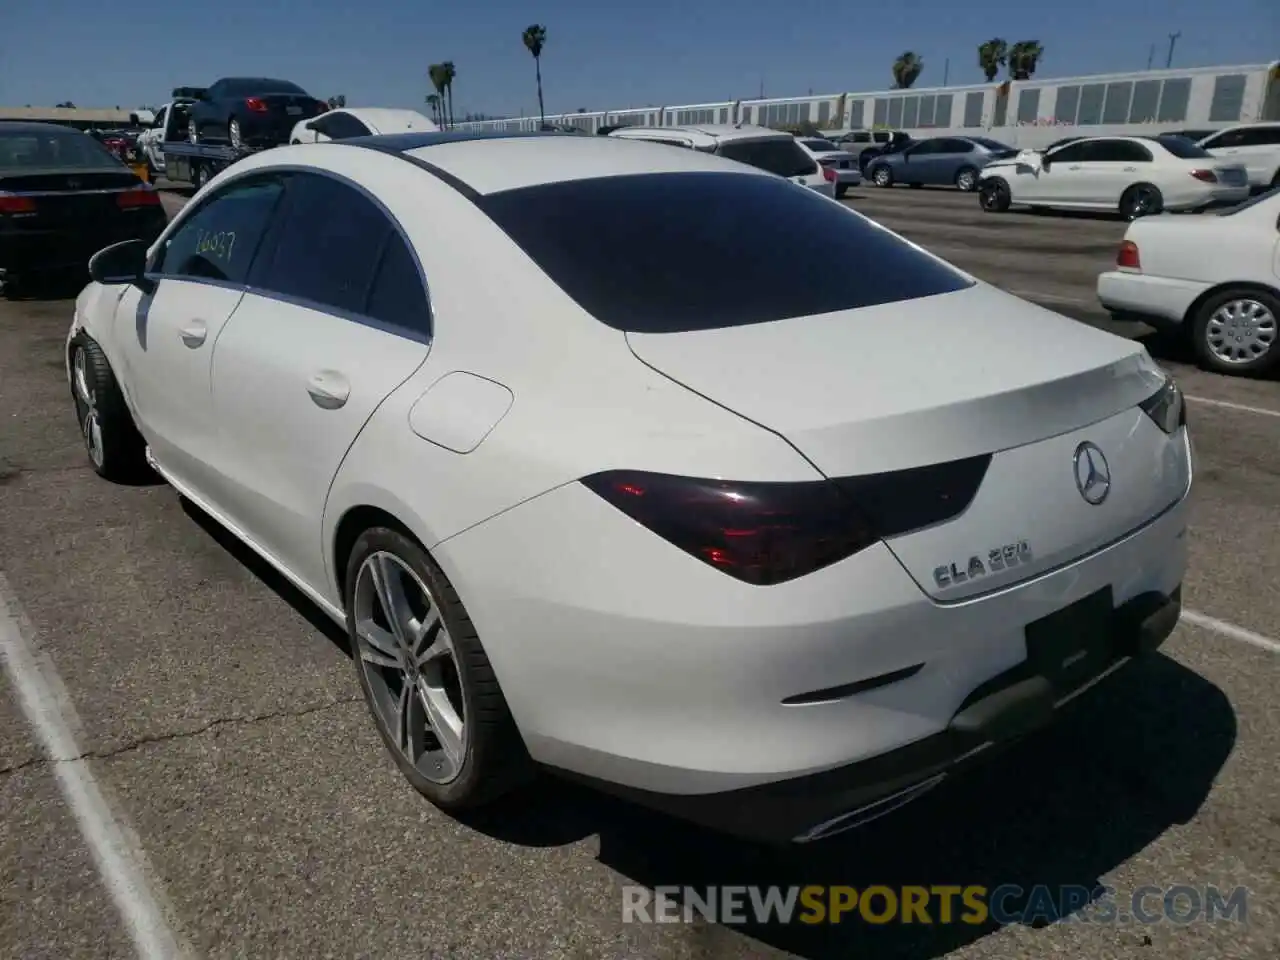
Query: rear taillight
[[9, 203], [760, 533], [256, 104], [1127, 256], [829, 174], [142, 197], [1208, 176]]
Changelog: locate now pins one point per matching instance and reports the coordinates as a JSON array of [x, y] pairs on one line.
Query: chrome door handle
[[329, 389], [1130, 169], [194, 333]]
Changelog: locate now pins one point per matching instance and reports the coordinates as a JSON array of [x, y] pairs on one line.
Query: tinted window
[[1260, 137], [1183, 148], [54, 148], [1072, 153], [344, 125], [955, 145], [820, 145], [398, 297], [783, 157], [994, 145], [328, 245], [673, 252], [248, 86], [1116, 151], [925, 147], [219, 240]]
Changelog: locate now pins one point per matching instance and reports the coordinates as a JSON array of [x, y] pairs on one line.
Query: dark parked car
[[938, 162], [250, 112], [63, 197]]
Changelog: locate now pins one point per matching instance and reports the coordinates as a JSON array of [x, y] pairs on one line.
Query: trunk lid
[[910, 383], [286, 109], [942, 379], [71, 197]]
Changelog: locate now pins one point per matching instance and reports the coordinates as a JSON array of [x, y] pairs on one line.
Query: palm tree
[[435, 73], [1023, 57], [535, 38], [433, 101], [449, 72], [992, 55], [906, 70], [337, 102]]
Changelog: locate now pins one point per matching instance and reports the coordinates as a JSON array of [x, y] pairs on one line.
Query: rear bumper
[[40, 251], [1002, 711], [1157, 301]]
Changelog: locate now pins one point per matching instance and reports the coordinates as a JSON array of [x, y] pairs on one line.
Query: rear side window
[[342, 126], [699, 251], [328, 245], [219, 240], [786, 158], [398, 297]]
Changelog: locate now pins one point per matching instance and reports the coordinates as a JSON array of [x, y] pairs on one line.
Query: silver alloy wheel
[[233, 133], [882, 177], [966, 180], [411, 666], [90, 422], [1240, 331]]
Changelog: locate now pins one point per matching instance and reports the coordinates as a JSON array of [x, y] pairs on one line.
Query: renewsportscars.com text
[[939, 904]]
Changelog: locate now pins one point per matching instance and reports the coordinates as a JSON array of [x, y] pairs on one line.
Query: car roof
[[383, 117], [33, 126], [491, 163], [702, 134]]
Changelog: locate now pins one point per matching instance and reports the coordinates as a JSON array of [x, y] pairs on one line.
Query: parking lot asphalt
[[217, 721]]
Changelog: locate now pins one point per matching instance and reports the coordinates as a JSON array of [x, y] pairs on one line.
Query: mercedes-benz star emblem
[[1093, 474]]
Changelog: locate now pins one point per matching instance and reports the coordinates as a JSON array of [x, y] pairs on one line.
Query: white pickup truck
[[169, 126]]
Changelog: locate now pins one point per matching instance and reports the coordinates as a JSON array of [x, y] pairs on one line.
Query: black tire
[[199, 175], [115, 448], [495, 759], [1200, 332], [881, 175], [841, 190], [1141, 200], [994, 195], [967, 179]]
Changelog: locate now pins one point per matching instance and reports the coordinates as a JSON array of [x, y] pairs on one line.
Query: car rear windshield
[[69, 149], [993, 145], [820, 146], [1183, 149], [248, 87], [784, 157], [700, 251]]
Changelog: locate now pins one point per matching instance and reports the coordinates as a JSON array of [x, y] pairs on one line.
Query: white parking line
[[1260, 411], [1230, 630], [45, 703]]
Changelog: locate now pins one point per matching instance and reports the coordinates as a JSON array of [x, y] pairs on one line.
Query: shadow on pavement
[[1129, 760]]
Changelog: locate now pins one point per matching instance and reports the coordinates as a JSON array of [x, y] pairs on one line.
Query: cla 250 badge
[[998, 559]]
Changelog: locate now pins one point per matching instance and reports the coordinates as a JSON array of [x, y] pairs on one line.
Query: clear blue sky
[[98, 53]]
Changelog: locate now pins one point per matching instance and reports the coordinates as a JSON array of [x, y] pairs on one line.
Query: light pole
[[1173, 39]]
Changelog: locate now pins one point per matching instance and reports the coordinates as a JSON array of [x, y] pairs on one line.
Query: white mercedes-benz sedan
[[658, 500]]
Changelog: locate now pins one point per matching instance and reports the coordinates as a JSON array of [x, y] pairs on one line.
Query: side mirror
[[309, 125], [124, 262], [1044, 164]]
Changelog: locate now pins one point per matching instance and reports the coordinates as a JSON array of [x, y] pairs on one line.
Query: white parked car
[[842, 162], [640, 497], [1214, 278], [1255, 145], [344, 123], [1135, 176], [770, 150]]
